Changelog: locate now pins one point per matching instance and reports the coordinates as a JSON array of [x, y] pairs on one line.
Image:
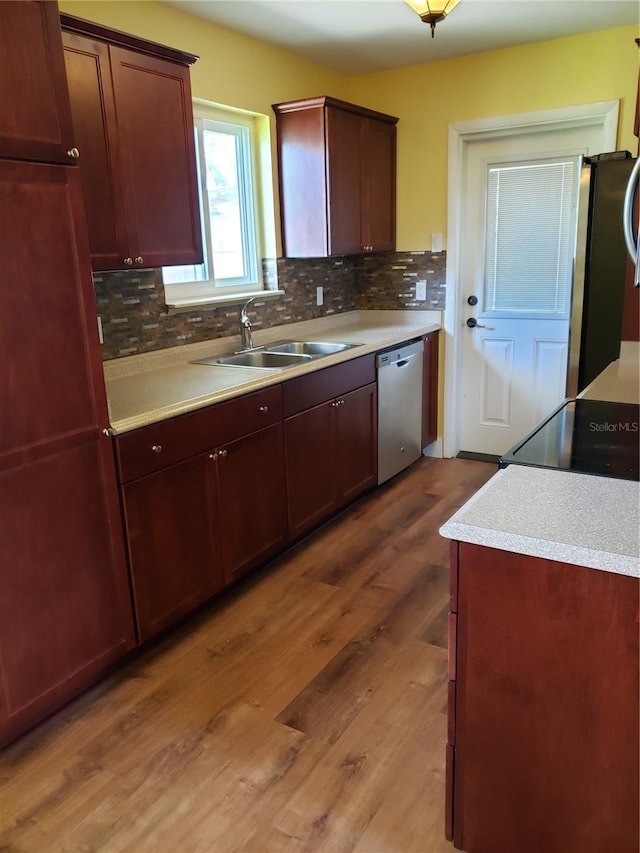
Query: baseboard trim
[[478, 457], [434, 449]]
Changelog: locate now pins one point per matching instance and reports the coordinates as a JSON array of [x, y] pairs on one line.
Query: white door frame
[[461, 134]]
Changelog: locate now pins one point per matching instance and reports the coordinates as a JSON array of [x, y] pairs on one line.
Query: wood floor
[[303, 711]]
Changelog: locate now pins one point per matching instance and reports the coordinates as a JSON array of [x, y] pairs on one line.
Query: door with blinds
[[519, 224]]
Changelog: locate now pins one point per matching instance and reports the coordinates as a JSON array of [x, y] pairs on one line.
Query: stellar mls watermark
[[620, 426]]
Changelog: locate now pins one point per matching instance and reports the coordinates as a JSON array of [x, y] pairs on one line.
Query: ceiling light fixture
[[432, 11]]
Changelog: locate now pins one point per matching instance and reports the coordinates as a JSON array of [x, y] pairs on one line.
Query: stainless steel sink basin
[[279, 355], [310, 348], [262, 358]]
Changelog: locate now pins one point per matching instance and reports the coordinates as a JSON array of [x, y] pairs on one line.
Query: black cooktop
[[587, 436]]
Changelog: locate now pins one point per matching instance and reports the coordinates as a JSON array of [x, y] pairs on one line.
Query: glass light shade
[[437, 9]]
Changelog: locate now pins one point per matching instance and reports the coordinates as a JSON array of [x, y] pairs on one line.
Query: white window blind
[[530, 236]]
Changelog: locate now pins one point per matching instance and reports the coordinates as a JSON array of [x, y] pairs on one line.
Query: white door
[[519, 196]]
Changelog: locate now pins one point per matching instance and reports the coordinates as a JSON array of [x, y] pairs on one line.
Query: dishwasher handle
[[405, 360], [400, 355]]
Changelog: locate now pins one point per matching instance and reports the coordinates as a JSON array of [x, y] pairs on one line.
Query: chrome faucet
[[245, 326]]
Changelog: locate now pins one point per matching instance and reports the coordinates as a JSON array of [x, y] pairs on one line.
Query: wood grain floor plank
[[303, 710]]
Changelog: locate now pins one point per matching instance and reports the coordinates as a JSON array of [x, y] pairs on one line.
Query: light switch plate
[[436, 243]]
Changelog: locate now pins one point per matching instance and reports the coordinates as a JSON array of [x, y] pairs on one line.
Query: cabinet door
[[309, 463], [546, 735], [252, 500], [355, 447], [46, 341], [94, 121], [430, 389], [157, 158], [343, 175], [65, 610], [171, 520], [378, 182], [35, 119]]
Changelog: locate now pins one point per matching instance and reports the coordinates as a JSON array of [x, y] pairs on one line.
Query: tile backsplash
[[135, 319]]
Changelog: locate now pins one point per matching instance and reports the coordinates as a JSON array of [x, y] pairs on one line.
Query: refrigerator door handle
[[630, 238]]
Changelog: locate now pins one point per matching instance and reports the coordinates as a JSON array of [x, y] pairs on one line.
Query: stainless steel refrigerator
[[600, 268]]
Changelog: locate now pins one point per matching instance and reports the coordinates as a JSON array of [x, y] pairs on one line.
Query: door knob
[[472, 323]]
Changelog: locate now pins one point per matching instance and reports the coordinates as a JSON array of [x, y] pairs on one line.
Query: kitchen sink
[[262, 358], [279, 355], [310, 348]]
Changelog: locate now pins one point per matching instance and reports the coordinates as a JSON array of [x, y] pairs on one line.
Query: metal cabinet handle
[[139, 259], [213, 456], [128, 261], [73, 153], [264, 408], [223, 454], [157, 448]]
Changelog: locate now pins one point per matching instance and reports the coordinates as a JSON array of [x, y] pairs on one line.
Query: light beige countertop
[[143, 389], [556, 515], [561, 515], [620, 382]]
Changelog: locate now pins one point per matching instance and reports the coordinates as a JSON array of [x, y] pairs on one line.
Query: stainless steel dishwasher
[[399, 408]]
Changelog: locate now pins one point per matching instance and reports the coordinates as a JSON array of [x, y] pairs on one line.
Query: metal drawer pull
[[128, 261], [213, 456], [139, 259], [223, 454], [73, 153], [157, 448], [264, 408]]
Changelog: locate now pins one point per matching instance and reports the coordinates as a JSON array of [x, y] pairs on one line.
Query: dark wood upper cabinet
[[35, 119], [337, 175], [132, 116]]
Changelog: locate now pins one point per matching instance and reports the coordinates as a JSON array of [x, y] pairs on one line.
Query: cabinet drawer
[[152, 448], [305, 392]]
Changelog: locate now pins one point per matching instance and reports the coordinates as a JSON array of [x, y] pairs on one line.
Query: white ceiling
[[359, 36]]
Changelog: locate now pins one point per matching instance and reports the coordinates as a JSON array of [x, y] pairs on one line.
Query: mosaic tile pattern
[[388, 281], [135, 319]]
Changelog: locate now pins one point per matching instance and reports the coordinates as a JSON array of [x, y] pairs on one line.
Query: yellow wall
[[582, 69], [246, 73]]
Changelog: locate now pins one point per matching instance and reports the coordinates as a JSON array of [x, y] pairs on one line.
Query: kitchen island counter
[[556, 515], [147, 388]]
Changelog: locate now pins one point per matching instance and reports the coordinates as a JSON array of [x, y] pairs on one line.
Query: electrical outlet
[[421, 291], [319, 295]]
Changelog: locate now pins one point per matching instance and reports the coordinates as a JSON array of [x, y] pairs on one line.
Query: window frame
[[205, 288]]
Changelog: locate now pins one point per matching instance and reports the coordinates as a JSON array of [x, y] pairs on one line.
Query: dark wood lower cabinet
[[198, 525], [544, 750], [356, 443], [331, 456], [430, 389], [174, 550], [65, 610], [252, 500]]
